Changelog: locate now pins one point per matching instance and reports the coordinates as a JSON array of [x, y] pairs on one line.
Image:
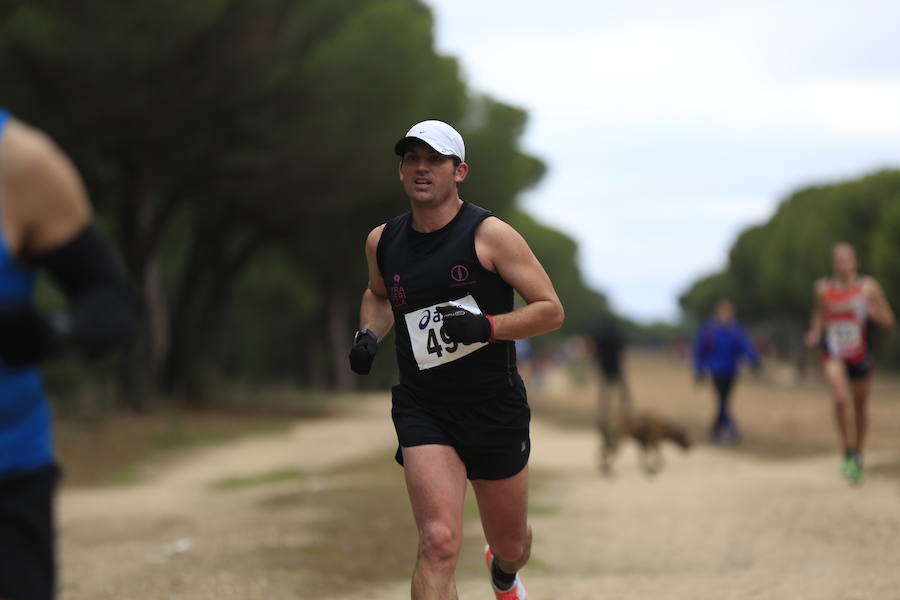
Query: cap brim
[[402, 144]]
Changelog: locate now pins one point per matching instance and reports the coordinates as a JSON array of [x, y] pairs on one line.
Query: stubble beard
[[433, 198]]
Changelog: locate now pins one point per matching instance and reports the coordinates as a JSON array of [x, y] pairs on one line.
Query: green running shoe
[[857, 474], [848, 467]]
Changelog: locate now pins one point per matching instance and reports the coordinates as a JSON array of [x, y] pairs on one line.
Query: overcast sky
[[669, 127]]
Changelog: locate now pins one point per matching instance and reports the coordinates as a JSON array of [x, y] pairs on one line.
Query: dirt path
[[714, 524], [178, 536]]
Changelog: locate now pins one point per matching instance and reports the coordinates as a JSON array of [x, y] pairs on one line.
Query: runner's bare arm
[[375, 309], [814, 334], [878, 308], [501, 249], [47, 224], [52, 205]]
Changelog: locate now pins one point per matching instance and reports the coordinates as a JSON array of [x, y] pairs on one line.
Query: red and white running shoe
[[516, 592]]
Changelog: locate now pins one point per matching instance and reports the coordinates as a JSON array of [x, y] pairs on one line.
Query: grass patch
[[542, 509], [110, 448], [261, 479], [368, 536], [283, 400], [98, 447], [127, 475]]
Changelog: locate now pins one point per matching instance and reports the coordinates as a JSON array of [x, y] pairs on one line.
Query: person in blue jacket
[[720, 345], [45, 225]]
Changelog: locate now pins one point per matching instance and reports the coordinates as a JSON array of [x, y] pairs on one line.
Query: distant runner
[[845, 305]]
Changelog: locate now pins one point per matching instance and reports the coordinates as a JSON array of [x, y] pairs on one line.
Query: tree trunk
[[339, 337], [197, 314], [143, 216]]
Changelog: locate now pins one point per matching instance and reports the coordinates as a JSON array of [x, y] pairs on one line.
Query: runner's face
[[843, 260], [428, 176], [725, 311]]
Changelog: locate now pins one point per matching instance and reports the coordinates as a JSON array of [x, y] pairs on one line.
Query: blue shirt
[[719, 347], [26, 441]]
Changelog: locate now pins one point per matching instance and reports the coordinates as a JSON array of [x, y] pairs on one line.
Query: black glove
[[365, 345], [26, 336], [463, 326]]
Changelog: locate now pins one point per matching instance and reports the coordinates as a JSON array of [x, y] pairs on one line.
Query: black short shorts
[[859, 369], [491, 436], [27, 536]]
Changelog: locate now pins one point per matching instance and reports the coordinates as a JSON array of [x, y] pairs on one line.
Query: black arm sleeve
[[103, 308]]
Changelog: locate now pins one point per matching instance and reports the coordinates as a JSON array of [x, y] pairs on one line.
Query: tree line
[[239, 151], [772, 266]]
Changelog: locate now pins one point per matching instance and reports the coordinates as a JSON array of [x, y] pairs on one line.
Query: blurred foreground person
[[718, 348], [844, 306], [445, 273], [45, 223], [609, 348]]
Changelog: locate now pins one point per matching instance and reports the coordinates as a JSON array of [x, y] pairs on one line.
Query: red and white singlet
[[844, 312]]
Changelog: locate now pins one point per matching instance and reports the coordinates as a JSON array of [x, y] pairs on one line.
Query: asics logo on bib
[[426, 318]]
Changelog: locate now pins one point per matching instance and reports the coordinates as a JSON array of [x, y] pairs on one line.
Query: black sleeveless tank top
[[425, 270]]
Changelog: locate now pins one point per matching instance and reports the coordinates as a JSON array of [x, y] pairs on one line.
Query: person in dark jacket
[[609, 346], [718, 348]]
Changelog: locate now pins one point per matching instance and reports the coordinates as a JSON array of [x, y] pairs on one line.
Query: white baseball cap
[[436, 134]]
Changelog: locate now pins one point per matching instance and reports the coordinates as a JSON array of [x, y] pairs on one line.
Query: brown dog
[[647, 430]]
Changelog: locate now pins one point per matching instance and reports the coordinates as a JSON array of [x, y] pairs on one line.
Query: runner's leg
[[836, 376], [503, 505], [860, 389], [436, 482]]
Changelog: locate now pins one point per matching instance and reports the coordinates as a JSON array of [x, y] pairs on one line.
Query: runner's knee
[[512, 550], [439, 543], [841, 395], [509, 552]]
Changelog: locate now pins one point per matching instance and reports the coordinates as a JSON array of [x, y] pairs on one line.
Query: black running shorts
[[489, 435], [859, 369], [27, 538]]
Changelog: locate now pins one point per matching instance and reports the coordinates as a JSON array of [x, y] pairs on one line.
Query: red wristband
[[491, 321]]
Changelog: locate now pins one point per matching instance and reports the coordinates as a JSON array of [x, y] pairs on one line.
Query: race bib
[[430, 345], [844, 338]]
